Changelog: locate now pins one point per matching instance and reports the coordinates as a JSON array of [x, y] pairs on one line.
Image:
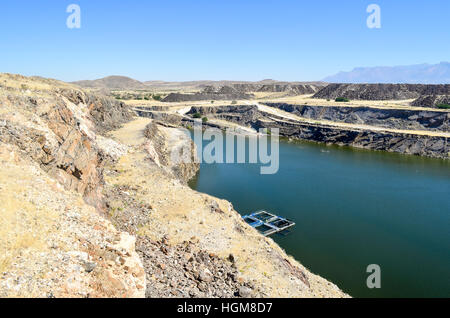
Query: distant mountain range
[[409, 74], [127, 83]]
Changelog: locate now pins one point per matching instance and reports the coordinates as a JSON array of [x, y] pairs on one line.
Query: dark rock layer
[[381, 91], [407, 143], [412, 144], [380, 117], [431, 100]]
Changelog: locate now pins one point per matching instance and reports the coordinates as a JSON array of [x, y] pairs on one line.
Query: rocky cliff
[[54, 241], [173, 150], [93, 204]]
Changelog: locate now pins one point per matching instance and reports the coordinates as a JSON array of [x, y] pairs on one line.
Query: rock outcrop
[[59, 126], [431, 100], [163, 117], [243, 115], [172, 150], [55, 245], [56, 242]]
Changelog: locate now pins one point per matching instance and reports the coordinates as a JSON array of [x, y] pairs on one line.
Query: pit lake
[[352, 208]]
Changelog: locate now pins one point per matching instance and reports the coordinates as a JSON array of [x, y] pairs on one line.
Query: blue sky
[[232, 39]]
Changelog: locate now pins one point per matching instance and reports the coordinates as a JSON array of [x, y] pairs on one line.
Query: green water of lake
[[352, 208]]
